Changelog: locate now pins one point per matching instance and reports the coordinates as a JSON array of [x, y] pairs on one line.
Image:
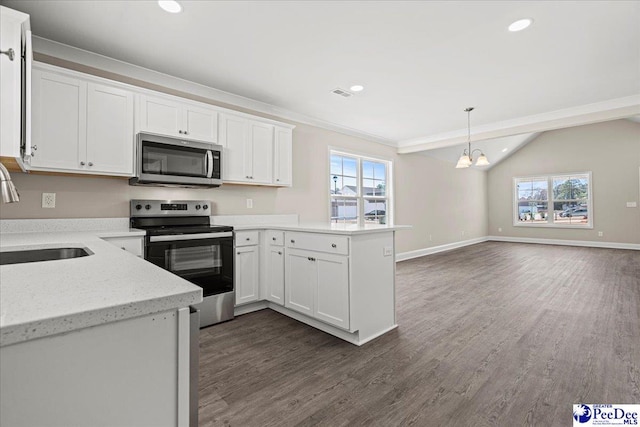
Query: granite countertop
[[51, 297]]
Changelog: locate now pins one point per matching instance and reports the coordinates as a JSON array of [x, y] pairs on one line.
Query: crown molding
[[613, 109], [86, 58]]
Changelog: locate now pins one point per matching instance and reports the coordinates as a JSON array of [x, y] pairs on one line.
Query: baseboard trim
[[403, 256], [585, 243]]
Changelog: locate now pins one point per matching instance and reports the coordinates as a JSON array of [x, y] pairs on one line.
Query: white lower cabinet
[[342, 284], [318, 285], [130, 372], [247, 266], [275, 274]]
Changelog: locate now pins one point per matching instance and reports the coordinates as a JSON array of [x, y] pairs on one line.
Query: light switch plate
[[249, 203], [632, 204]]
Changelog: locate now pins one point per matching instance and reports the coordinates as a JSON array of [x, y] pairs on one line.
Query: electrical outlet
[[430, 238], [499, 229], [387, 251], [249, 203], [632, 204], [462, 234], [600, 234], [48, 200]]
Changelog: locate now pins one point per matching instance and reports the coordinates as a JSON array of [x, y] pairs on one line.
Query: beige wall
[[610, 150]]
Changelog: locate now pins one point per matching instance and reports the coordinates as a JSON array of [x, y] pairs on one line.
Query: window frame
[[550, 201], [360, 197]]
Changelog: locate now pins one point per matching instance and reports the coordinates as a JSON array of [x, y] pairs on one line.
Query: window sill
[[579, 227]]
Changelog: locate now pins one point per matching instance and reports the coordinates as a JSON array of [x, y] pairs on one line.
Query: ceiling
[[421, 63]]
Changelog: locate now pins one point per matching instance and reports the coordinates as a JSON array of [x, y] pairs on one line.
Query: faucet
[[9, 192]]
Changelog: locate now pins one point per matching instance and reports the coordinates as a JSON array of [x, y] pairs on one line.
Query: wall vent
[[342, 92]]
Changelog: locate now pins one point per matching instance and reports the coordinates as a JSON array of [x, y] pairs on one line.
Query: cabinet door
[[332, 292], [261, 156], [10, 81], [301, 281], [234, 137], [161, 116], [58, 121], [110, 139], [247, 274], [275, 275], [283, 157], [200, 123]]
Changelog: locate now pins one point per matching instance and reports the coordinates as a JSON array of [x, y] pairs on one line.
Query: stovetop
[[169, 217]]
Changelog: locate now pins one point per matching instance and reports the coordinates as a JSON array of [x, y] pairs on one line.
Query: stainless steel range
[[181, 239]]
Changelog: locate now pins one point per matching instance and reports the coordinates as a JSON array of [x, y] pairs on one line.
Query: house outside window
[[559, 200], [359, 189]]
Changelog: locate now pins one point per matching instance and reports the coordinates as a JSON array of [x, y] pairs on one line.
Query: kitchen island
[[339, 278], [97, 340]]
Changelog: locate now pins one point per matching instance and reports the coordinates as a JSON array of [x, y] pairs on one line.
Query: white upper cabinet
[[261, 145], [14, 38], [59, 113], [110, 138], [81, 126], [178, 118], [283, 157], [256, 151]]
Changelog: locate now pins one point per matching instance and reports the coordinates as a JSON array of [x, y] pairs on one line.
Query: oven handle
[[173, 237], [209, 164]]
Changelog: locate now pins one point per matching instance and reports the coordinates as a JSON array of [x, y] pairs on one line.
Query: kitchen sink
[[37, 255]]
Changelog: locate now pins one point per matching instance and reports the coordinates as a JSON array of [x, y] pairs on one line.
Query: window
[[554, 201], [359, 189]]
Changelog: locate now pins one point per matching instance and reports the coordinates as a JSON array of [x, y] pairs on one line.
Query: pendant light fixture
[[466, 159]]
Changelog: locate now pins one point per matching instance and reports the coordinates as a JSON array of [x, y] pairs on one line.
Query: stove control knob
[[147, 207], [205, 207], [138, 207], [197, 207]]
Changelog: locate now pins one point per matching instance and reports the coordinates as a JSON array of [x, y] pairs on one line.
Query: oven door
[[204, 259]]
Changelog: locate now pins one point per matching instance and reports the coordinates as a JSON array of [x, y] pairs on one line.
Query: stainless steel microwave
[[175, 162]]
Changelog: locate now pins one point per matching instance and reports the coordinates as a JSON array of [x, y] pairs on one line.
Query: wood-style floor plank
[[492, 334]]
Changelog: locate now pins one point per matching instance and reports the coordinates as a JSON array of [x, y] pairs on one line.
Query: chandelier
[[466, 159]]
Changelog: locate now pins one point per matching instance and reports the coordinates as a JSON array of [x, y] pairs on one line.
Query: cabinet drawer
[[330, 243], [247, 238], [129, 244], [275, 238]]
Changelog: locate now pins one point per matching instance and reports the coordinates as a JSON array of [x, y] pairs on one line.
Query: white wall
[[438, 200], [610, 150]]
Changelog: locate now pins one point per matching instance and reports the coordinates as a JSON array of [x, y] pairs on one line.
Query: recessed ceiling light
[[356, 88], [170, 6], [520, 24], [504, 150]]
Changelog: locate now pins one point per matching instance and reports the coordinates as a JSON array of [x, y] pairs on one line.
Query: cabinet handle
[[81, 163], [248, 238], [238, 253], [186, 133], [90, 164], [34, 147], [293, 241], [277, 179], [180, 132], [123, 248], [333, 245], [248, 177], [311, 259], [279, 253], [273, 238], [9, 52]]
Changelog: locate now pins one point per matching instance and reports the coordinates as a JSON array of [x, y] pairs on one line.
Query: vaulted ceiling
[[421, 63]]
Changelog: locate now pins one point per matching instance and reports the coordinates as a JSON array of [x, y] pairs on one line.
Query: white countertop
[[51, 297], [346, 229]]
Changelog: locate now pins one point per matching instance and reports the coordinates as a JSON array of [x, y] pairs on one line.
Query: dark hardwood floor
[[495, 334]]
